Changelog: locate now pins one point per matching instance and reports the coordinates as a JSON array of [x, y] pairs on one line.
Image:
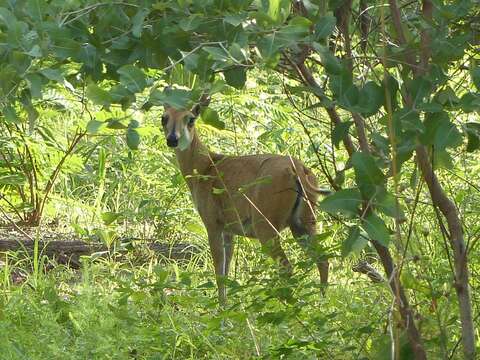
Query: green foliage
[[82, 86], [345, 201]]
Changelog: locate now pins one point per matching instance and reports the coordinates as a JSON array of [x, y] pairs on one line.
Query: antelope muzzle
[[172, 140]]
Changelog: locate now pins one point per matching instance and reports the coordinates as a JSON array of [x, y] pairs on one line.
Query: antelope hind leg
[[228, 245]]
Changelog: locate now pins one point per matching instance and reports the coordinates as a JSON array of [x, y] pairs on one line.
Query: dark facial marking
[[172, 140], [164, 119], [191, 121]]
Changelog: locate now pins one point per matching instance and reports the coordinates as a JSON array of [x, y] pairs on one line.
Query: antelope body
[[254, 195]]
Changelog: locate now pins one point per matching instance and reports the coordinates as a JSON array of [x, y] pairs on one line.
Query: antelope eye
[[191, 120], [164, 120]]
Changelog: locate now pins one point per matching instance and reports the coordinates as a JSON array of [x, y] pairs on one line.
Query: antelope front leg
[[217, 249], [228, 245], [273, 248]]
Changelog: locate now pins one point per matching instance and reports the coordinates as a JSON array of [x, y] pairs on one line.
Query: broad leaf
[[329, 61], [372, 97], [340, 131], [15, 179], [475, 74], [138, 20], [94, 126], [132, 78], [109, 217], [354, 242], [440, 132], [115, 124], [210, 117], [325, 26], [236, 77], [367, 174], [376, 229], [98, 96], [388, 204], [345, 201], [470, 102], [176, 98], [133, 138], [473, 134]]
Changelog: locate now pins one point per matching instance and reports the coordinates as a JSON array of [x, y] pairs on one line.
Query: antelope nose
[[172, 141]]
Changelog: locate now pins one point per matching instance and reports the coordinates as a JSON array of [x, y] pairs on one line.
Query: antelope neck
[[196, 157]]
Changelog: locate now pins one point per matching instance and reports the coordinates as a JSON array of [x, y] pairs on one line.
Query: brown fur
[[254, 195]]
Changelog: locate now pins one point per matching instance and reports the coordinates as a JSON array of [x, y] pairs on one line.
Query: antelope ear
[[196, 110]]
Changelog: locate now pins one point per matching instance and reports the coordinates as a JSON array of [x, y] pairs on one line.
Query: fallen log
[[69, 252]]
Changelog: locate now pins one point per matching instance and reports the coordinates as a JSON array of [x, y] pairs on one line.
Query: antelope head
[[179, 124]]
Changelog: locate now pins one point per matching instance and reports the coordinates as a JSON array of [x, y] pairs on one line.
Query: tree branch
[[437, 194]]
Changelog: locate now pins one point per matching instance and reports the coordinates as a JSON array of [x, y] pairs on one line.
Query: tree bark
[[457, 242], [437, 194], [384, 253]]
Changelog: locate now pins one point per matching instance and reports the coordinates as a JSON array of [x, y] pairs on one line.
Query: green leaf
[[447, 97], [190, 23], [109, 217], [20, 61], [132, 78], [115, 124], [372, 97], [475, 75], [176, 98], [419, 89], [34, 82], [121, 95], [440, 132], [217, 53], [442, 160], [238, 53], [473, 134], [345, 201], [235, 19], [218, 191], [269, 50], [53, 74], [275, 11], [354, 242], [236, 77], [340, 131], [94, 126], [15, 179], [35, 51], [431, 107], [211, 117], [325, 26], [330, 62], [391, 88], [388, 205], [376, 229], [408, 119], [133, 138], [470, 102], [367, 174], [10, 115], [137, 22], [36, 9], [98, 96], [7, 18], [26, 100]]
